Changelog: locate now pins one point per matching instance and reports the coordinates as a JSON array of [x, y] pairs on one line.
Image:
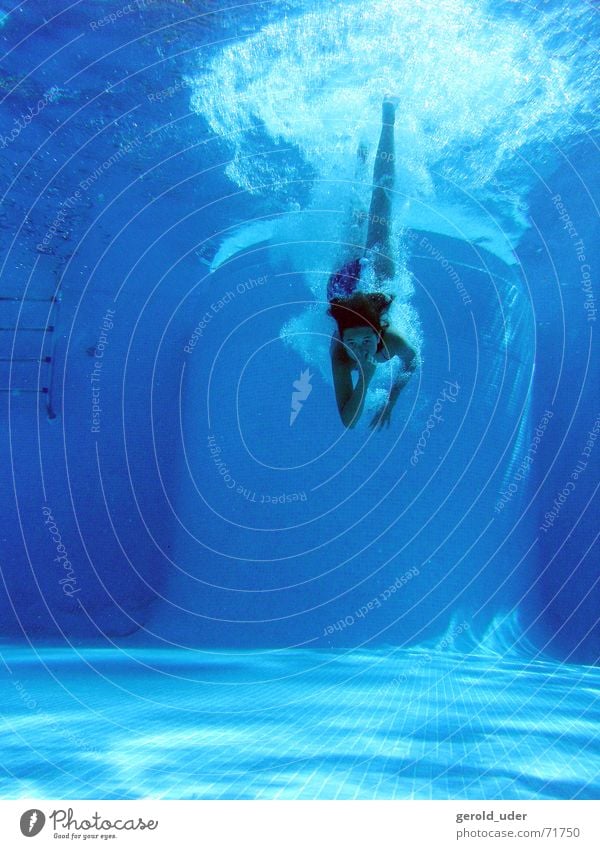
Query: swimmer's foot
[[389, 106]]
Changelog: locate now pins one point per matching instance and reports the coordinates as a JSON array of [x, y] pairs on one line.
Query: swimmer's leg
[[378, 235], [359, 213]]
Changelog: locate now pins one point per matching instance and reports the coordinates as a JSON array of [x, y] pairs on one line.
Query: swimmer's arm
[[398, 347], [350, 402]]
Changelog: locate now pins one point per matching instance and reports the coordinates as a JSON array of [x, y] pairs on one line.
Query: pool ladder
[[44, 356]]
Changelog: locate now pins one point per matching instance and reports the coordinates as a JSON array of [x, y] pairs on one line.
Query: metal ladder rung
[[18, 389], [25, 359], [54, 301], [50, 300], [48, 329]]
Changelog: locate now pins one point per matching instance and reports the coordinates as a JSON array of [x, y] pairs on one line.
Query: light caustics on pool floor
[[389, 724]]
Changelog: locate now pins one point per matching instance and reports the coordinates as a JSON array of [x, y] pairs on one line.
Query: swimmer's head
[[359, 319], [360, 340]]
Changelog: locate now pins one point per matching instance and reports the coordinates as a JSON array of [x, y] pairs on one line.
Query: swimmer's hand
[[366, 366], [382, 417]]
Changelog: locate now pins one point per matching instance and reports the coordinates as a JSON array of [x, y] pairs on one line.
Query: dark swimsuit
[[342, 284]]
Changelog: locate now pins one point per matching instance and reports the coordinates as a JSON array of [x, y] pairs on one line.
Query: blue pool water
[[210, 588]]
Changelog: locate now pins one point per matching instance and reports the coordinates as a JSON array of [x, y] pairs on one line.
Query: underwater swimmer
[[363, 338]]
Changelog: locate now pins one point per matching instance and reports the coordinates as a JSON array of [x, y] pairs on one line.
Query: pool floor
[[296, 724]]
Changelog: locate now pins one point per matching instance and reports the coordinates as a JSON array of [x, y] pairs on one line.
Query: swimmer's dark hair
[[361, 310]]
